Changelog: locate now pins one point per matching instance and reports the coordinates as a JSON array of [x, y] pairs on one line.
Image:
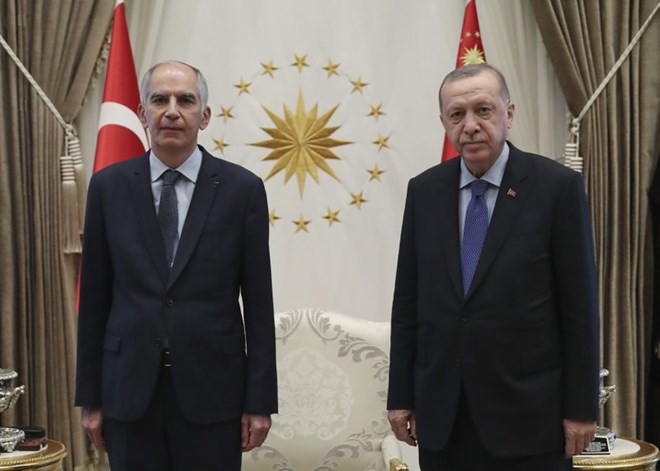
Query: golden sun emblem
[[473, 55], [301, 143]]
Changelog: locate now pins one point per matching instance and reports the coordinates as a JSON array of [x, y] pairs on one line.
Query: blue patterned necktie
[[474, 231], [168, 213]]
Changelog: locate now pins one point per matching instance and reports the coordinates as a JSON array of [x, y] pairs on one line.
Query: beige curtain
[[618, 141], [59, 42]]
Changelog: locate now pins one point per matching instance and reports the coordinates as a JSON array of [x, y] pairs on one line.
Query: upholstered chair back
[[332, 374]]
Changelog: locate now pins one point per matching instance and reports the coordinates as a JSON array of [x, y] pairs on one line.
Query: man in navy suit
[[172, 374], [494, 365]]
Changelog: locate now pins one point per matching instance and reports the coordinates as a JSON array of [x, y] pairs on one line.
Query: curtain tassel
[[70, 204], [73, 149], [571, 156]]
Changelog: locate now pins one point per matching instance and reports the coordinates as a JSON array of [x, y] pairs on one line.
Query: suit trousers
[[465, 451], [164, 440]]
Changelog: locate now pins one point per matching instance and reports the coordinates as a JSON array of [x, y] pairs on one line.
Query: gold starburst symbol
[[273, 217], [300, 62], [375, 173], [331, 68], [243, 86], [382, 142], [225, 113], [332, 216], [304, 141], [358, 85], [301, 224], [357, 200], [301, 143], [473, 55], [269, 68], [220, 144], [376, 111]]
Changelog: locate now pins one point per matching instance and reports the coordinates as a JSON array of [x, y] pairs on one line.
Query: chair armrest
[[397, 465], [392, 454]]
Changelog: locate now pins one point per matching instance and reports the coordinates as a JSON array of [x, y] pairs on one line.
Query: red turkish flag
[[470, 51], [121, 135]]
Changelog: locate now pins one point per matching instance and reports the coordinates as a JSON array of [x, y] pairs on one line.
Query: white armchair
[[332, 373]]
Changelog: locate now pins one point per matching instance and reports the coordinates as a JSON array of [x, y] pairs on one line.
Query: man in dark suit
[[494, 353], [171, 374]]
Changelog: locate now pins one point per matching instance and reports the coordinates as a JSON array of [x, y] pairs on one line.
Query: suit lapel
[[202, 200], [143, 202], [448, 220], [507, 207]]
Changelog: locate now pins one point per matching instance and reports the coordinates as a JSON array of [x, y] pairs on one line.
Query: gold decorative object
[[397, 465], [627, 455], [48, 458]]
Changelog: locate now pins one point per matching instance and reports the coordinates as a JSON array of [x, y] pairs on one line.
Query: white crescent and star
[[113, 113]]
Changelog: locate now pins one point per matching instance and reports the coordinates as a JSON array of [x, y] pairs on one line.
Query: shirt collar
[[494, 174], [189, 168]]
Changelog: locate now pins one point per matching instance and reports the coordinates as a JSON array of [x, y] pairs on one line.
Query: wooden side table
[[48, 459], [627, 454]]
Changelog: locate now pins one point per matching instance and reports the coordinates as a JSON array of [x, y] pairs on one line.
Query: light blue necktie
[[474, 231], [168, 213]]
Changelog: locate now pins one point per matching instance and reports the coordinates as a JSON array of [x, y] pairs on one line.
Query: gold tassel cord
[[571, 157], [71, 204], [73, 149]]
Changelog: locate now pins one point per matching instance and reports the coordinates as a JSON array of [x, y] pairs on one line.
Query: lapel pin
[[512, 193], [215, 183]]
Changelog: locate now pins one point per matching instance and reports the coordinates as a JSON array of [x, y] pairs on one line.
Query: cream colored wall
[[510, 36]]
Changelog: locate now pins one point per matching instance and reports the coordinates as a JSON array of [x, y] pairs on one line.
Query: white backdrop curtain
[[403, 49]]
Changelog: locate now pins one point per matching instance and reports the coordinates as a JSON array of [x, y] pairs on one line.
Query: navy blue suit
[[522, 345], [223, 361]]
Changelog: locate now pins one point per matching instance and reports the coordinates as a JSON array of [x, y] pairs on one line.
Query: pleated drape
[[618, 141], [59, 42]]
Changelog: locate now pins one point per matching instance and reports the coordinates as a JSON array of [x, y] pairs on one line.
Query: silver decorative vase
[[604, 394], [9, 437]]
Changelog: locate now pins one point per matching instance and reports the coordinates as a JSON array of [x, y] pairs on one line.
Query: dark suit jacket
[[130, 302], [523, 344]]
